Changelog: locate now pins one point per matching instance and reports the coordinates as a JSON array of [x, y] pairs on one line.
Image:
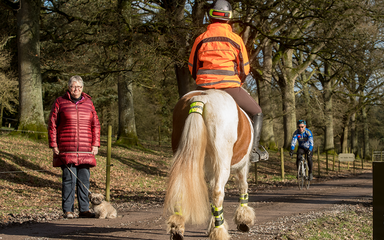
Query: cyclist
[[305, 138]]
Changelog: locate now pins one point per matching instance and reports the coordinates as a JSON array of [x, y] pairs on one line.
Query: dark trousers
[[70, 184], [302, 151]]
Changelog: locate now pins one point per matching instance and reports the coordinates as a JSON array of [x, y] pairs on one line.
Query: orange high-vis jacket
[[219, 58]]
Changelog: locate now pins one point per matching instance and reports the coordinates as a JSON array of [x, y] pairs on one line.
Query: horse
[[211, 138]]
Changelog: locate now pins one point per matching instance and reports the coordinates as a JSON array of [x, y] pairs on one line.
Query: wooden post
[[372, 156], [333, 166], [256, 182], [318, 161], [347, 163], [326, 161], [282, 162], [354, 167], [108, 170], [362, 158], [381, 156]]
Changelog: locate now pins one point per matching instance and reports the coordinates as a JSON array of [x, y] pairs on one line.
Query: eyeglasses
[[76, 87], [301, 126]]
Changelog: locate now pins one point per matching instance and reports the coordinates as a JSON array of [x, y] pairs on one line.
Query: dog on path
[[102, 208]]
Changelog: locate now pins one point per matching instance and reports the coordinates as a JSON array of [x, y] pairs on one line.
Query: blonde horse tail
[[187, 192]]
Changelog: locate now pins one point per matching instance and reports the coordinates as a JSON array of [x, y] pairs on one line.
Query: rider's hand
[[291, 153], [309, 153]]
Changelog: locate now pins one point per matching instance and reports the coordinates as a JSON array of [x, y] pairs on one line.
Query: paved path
[[149, 224]]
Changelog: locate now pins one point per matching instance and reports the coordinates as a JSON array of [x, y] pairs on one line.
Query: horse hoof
[[176, 236], [243, 228]]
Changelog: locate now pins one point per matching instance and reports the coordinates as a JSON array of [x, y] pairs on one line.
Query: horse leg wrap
[[217, 212], [177, 210], [244, 200]]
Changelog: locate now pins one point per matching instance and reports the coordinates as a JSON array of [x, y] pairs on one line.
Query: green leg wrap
[[244, 200], [217, 212]]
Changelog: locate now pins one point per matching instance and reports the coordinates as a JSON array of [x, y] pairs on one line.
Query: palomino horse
[[211, 138]]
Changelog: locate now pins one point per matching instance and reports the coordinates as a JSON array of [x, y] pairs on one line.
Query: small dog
[[102, 209]]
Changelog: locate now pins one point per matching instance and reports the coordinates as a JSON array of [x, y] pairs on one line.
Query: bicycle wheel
[[300, 175], [307, 182]]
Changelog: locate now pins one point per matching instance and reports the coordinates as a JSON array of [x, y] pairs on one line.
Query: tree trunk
[[264, 93], [127, 127], [365, 134], [183, 78], [31, 115], [287, 83], [307, 102], [1, 115], [289, 114], [127, 134], [344, 139], [328, 111]]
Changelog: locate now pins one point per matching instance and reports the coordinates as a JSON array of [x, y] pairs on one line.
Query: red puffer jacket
[[74, 128]]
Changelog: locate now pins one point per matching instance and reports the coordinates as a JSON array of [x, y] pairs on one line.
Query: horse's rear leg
[[175, 227], [218, 227], [245, 215]]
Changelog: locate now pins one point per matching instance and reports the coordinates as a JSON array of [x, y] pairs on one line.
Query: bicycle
[[302, 172]]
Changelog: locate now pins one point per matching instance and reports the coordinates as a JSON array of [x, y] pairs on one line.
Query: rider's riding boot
[[256, 153]]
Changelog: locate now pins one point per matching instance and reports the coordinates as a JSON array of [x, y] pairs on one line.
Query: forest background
[[318, 60]]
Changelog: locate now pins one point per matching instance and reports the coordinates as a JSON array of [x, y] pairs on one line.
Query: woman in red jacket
[[74, 136]]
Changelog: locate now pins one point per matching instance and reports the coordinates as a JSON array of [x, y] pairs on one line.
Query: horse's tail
[[187, 193]]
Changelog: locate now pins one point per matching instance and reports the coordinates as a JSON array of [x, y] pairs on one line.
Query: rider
[[305, 138], [219, 60]]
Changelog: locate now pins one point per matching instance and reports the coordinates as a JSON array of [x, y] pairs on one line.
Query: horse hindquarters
[[187, 193]]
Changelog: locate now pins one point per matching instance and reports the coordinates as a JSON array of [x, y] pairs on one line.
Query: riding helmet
[[220, 10]]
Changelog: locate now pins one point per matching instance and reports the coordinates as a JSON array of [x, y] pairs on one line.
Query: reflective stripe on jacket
[[218, 58]]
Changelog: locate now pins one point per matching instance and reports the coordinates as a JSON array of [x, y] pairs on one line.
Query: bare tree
[[31, 115], [8, 82]]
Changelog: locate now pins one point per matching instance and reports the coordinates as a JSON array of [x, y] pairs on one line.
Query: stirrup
[[261, 155]]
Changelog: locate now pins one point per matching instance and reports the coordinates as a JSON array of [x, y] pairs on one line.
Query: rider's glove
[[309, 152], [291, 153]]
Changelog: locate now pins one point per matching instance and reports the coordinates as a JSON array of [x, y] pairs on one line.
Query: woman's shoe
[[69, 215], [86, 214]]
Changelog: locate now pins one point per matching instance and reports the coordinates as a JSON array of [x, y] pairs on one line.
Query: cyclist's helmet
[[220, 10], [301, 122]]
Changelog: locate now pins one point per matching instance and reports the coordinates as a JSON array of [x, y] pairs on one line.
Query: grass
[[28, 182], [355, 223]]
